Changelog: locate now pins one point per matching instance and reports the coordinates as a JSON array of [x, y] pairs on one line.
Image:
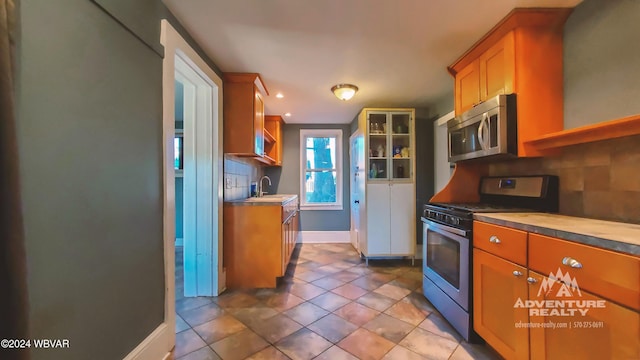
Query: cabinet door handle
[[357, 202], [494, 239], [517, 273], [569, 261], [531, 280]]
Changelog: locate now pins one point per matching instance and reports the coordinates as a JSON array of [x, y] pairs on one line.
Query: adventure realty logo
[[565, 294]]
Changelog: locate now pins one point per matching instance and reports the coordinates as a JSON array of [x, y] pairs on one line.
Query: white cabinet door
[[402, 225], [378, 214]]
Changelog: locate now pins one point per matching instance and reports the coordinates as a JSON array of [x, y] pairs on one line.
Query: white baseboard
[[320, 237], [155, 346], [179, 241]]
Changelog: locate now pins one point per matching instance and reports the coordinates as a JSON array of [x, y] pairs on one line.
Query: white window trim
[[305, 133]]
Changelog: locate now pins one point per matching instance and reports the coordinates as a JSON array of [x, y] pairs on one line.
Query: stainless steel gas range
[[448, 240]]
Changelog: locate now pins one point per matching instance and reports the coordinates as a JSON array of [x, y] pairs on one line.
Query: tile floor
[[329, 306]]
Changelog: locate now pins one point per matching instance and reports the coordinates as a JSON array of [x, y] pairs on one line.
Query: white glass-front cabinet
[[387, 216]]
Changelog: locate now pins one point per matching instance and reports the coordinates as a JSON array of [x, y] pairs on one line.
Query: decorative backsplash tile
[[240, 173], [599, 180]]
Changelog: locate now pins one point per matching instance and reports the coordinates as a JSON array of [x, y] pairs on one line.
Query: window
[[321, 169], [178, 152]]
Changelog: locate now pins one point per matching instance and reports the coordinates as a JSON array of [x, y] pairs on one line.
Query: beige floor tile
[[188, 303], [186, 342], [181, 325], [303, 344], [270, 353], [388, 327], [402, 353], [333, 327], [252, 315], [328, 283], [310, 275], [201, 314], [466, 351], [429, 344], [366, 345], [335, 353], [283, 301], [239, 345], [219, 328], [349, 291], [405, 310], [345, 276], [356, 313], [439, 326], [204, 353], [306, 291], [306, 313], [392, 291], [235, 299], [276, 328], [376, 301], [330, 301]]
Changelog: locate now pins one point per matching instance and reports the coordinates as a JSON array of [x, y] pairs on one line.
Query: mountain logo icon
[[568, 286]]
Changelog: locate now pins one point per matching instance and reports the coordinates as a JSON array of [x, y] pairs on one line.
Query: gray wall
[[286, 180], [89, 135], [601, 57], [442, 168]]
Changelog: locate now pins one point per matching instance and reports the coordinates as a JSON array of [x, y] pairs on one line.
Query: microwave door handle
[[481, 131], [487, 140]]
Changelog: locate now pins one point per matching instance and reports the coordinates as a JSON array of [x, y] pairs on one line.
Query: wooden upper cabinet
[[273, 139], [523, 55], [244, 114], [497, 68], [467, 94]]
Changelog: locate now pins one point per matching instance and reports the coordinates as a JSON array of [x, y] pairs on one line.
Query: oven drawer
[[510, 244], [603, 272]]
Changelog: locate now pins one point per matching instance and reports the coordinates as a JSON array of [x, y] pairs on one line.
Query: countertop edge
[[244, 202], [591, 240]]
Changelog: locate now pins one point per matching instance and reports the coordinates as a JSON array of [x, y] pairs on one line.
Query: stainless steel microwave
[[488, 129]]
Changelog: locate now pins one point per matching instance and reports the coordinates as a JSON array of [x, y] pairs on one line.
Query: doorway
[[202, 162]]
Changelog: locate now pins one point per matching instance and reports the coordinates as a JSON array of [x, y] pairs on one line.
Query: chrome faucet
[[260, 192]]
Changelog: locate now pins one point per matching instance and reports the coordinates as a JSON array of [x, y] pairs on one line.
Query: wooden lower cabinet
[[516, 308], [497, 285], [258, 244], [608, 332]]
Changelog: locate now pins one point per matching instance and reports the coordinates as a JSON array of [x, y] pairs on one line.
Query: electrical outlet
[[227, 182]]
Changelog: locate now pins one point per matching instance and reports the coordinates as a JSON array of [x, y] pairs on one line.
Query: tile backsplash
[[599, 180], [238, 175]]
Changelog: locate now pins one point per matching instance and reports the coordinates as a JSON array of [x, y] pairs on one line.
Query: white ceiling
[[395, 51]]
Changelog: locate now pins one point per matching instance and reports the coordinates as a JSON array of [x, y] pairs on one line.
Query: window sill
[[336, 207]]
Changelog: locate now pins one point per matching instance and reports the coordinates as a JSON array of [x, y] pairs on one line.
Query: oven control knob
[[455, 220]]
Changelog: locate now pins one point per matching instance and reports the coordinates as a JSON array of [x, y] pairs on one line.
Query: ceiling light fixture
[[344, 91], [287, 114], [279, 95]]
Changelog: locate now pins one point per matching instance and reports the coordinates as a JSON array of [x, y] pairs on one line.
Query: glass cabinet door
[[400, 146], [378, 145], [389, 139]]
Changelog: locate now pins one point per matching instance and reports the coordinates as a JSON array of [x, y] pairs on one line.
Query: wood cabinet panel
[[497, 68], [273, 138], [504, 242], [244, 114], [467, 89], [497, 285], [258, 243], [614, 275], [609, 332]]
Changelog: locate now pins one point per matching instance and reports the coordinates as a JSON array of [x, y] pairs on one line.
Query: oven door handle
[[441, 227]]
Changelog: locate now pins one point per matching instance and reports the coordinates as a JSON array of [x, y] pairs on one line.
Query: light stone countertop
[[610, 235], [267, 200]]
